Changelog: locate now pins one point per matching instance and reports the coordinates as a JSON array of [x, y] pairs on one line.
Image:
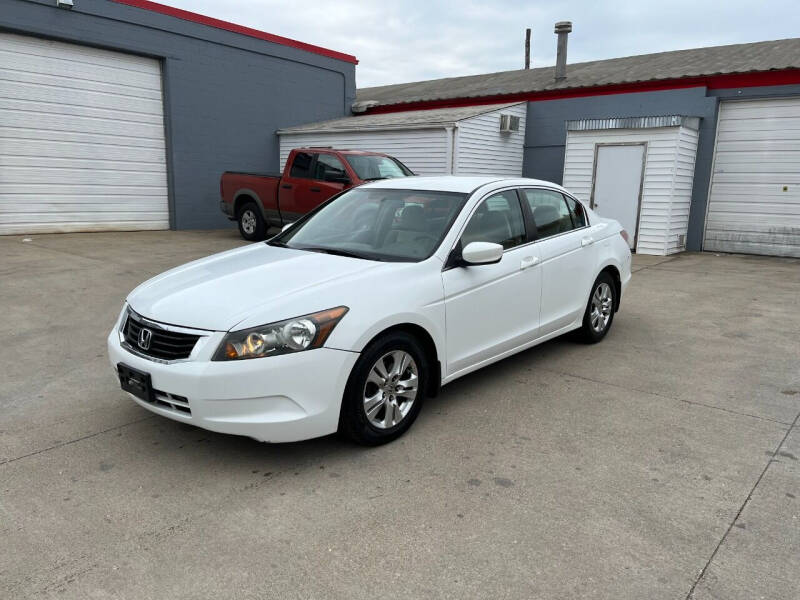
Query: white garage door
[[754, 206], [81, 139]]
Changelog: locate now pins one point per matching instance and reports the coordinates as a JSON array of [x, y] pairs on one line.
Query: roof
[[778, 55], [440, 117], [233, 27], [464, 184]]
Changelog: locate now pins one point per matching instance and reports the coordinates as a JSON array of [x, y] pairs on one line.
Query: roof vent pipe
[[563, 29]]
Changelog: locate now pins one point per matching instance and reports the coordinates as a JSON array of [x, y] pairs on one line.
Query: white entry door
[[618, 183]]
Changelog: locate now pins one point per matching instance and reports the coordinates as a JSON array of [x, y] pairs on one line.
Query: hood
[[218, 292]]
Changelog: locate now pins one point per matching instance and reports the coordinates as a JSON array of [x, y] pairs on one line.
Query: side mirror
[[285, 227], [481, 253]]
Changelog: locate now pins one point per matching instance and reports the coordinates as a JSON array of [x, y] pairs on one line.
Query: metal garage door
[[754, 205], [81, 139]]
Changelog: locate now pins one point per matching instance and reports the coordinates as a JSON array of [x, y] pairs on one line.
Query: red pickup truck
[[311, 176]]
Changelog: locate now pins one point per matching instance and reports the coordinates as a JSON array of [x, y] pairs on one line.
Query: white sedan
[[350, 317]]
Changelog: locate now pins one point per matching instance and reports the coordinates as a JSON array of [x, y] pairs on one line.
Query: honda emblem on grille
[[145, 337]]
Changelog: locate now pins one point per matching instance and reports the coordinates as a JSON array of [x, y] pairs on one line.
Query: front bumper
[[276, 399]]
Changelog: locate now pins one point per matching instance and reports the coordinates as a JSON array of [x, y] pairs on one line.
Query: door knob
[[528, 261]]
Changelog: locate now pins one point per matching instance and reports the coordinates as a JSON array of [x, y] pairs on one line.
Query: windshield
[[377, 224], [376, 167]]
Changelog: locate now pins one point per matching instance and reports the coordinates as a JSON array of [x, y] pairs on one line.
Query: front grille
[[165, 345]]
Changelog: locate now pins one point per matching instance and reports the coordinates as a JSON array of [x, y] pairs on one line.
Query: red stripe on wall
[[713, 82], [186, 15]]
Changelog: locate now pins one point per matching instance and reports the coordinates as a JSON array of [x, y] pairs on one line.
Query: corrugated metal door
[[754, 204], [81, 139]]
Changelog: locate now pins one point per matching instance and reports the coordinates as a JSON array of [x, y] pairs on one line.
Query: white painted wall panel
[[754, 201], [81, 139], [480, 148], [424, 151], [668, 178]]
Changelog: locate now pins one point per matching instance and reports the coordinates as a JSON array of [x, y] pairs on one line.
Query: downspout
[[452, 149]]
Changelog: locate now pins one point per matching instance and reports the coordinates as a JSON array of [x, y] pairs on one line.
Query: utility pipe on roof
[[562, 29]]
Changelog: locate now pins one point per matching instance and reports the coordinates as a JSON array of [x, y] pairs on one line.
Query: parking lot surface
[[661, 463]]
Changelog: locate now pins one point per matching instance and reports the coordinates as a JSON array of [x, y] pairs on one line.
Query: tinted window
[[577, 211], [301, 167], [378, 224], [549, 210], [329, 168], [498, 220]]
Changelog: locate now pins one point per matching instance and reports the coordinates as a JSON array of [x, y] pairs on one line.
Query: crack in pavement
[[741, 509], [80, 439], [666, 397]]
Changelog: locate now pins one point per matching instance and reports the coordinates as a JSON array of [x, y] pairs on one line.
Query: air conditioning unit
[[509, 123]]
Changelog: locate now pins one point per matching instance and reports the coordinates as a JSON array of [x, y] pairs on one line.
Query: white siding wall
[[668, 176], [481, 149], [424, 151]]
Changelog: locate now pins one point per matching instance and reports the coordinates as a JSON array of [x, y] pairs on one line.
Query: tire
[[388, 416], [251, 224], [599, 314]]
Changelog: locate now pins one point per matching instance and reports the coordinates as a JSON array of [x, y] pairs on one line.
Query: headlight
[[283, 337]]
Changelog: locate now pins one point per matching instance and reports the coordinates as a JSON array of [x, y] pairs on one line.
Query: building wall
[[545, 137], [424, 151], [480, 148], [225, 94], [667, 183]]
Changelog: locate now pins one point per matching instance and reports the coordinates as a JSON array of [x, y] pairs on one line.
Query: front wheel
[[385, 391], [600, 310], [251, 223]]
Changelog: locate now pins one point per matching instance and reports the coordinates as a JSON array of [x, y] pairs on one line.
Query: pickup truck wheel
[[251, 223]]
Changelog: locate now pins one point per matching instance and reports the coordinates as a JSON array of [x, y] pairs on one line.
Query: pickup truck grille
[[163, 344]]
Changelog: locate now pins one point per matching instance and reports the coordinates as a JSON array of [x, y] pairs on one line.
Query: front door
[[491, 309], [618, 173]]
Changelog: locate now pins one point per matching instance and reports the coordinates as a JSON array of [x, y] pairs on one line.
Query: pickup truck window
[[329, 168], [377, 224], [301, 167], [377, 167]]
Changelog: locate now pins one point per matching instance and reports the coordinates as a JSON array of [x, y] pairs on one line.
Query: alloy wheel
[[248, 220], [391, 389], [602, 305]]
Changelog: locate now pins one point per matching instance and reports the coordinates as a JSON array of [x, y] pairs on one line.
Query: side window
[[301, 167], [498, 219], [577, 211], [550, 212], [329, 168]]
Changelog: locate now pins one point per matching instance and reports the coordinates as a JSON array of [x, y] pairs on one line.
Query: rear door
[[565, 248], [296, 198]]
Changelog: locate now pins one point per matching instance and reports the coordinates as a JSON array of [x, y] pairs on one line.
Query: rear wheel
[[599, 313], [251, 223], [385, 391]]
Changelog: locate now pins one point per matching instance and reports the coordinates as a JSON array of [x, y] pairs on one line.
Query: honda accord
[[350, 317]]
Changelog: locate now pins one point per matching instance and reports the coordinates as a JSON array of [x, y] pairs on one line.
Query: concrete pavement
[[662, 463]]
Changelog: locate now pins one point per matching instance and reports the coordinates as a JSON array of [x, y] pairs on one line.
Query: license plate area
[[136, 382]]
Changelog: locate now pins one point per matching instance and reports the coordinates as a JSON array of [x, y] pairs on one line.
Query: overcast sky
[[398, 42]]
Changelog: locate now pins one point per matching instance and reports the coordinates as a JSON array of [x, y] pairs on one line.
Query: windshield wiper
[[335, 251], [278, 243], [373, 178]]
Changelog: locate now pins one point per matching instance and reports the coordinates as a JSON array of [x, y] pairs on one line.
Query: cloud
[[426, 39]]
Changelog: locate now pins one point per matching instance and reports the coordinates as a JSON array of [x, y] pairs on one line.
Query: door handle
[[528, 261], [587, 241], [314, 190], [286, 186]]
